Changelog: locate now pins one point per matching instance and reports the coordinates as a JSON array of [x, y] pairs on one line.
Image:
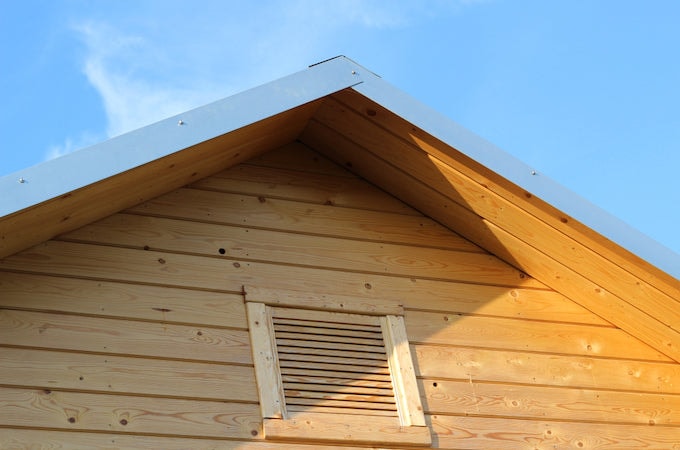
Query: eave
[[352, 116]]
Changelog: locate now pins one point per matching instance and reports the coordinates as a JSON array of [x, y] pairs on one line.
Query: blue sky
[[585, 92]]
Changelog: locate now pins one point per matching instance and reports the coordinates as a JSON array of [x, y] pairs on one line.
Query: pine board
[[285, 215], [449, 362], [288, 184], [300, 249], [526, 335], [455, 432], [19, 439], [214, 273], [298, 156], [471, 398], [128, 414], [122, 300], [123, 375], [113, 336]]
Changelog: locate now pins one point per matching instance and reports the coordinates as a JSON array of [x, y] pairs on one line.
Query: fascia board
[[517, 172], [76, 170]]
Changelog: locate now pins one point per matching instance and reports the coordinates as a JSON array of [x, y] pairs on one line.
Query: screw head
[[180, 122], [22, 180]]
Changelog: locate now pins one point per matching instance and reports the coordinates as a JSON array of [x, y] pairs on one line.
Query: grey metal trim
[[509, 167], [51, 179], [59, 176]]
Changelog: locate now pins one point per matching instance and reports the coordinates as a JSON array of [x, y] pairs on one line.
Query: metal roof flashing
[[81, 168], [517, 172], [51, 179]]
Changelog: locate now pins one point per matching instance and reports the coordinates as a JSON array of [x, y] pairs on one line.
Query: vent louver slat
[[331, 366]]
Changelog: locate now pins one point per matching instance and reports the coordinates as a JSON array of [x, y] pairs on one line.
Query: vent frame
[[302, 417]]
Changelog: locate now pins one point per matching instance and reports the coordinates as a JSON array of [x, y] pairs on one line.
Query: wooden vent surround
[[333, 376]]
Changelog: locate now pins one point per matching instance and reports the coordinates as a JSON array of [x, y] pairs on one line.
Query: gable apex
[[349, 114]]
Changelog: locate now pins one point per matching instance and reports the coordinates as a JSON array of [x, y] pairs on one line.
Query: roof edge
[[522, 175], [34, 185]]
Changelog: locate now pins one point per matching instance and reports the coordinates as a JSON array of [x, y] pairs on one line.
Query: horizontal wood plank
[[123, 300], [471, 398], [118, 264], [498, 301], [526, 335], [113, 336], [455, 432], [300, 249], [348, 428], [321, 189], [286, 215], [122, 375], [128, 414], [22, 439], [75, 209], [545, 369], [298, 156], [322, 301]]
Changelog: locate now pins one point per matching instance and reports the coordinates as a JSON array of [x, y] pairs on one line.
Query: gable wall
[[132, 332]]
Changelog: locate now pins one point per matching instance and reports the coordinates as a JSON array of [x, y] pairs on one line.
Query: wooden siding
[[500, 217], [131, 332], [77, 208]]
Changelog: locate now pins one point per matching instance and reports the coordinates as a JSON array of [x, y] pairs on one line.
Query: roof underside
[[346, 113]]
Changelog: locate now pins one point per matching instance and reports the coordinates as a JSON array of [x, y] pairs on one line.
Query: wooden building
[[324, 263]]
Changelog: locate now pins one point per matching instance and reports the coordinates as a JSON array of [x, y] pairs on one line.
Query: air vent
[[327, 376], [333, 366]]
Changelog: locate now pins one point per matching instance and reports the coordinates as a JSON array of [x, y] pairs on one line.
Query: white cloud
[[163, 63], [121, 68]]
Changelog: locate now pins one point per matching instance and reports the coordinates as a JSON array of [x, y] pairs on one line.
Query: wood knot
[[123, 422], [71, 420]]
